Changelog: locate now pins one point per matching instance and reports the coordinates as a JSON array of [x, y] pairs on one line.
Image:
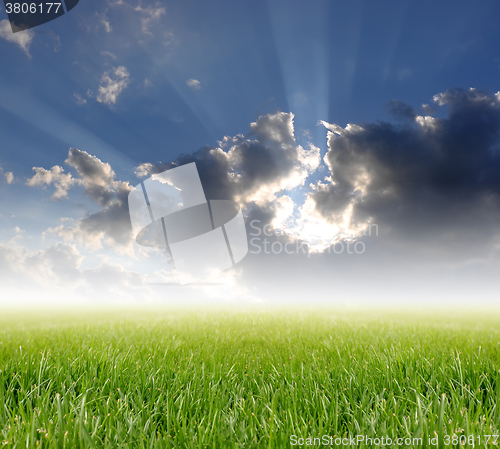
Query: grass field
[[246, 379]]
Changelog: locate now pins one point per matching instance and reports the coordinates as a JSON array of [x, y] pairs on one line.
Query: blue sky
[[333, 61], [132, 82]]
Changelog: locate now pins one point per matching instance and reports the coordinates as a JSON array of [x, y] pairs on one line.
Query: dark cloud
[[431, 184], [112, 223], [253, 169], [400, 110], [425, 176], [96, 177], [437, 178]]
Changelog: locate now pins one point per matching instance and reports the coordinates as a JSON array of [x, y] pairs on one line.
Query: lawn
[[246, 379]]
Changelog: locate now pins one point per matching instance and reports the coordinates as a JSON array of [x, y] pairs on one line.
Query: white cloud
[[262, 170], [58, 271], [259, 170], [195, 84], [56, 177], [284, 208], [96, 177], [79, 99], [113, 83], [169, 38], [22, 38], [109, 54], [427, 121], [144, 169], [57, 265], [111, 225], [254, 169], [104, 21], [57, 44], [151, 14], [9, 177]]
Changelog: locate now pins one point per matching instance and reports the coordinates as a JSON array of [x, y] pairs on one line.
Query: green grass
[[247, 379]]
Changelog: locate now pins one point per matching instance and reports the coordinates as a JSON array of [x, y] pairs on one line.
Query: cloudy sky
[[362, 136]]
